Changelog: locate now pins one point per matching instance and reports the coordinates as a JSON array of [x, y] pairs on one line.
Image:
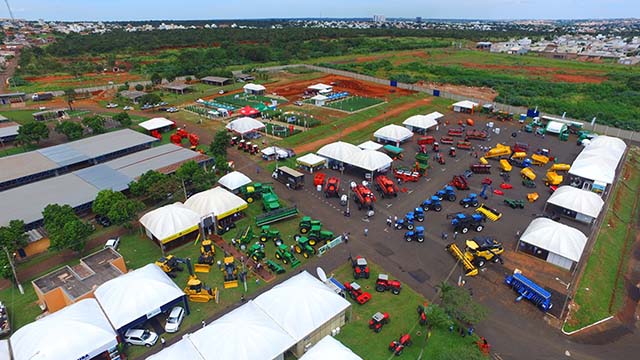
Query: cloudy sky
[[252, 9]]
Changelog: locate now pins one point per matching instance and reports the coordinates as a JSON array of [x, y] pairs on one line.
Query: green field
[[354, 103], [601, 292]]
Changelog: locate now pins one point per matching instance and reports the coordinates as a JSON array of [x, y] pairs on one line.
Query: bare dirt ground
[[87, 80], [554, 74], [294, 90], [482, 93]]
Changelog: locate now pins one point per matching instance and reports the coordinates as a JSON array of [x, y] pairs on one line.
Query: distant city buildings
[[379, 18]]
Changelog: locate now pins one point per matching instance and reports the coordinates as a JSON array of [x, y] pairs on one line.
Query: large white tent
[[246, 333], [393, 133], [4, 349], [251, 87], [423, 121], [370, 145], [234, 180], [330, 348], [78, 331], [138, 295], [301, 304], [371, 160], [170, 222], [339, 151], [245, 125], [156, 123], [556, 127], [564, 243], [464, 106], [598, 160], [581, 201], [183, 349], [217, 202]]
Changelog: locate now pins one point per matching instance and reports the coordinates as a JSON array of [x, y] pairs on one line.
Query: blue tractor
[[447, 193], [432, 203], [462, 222], [417, 234], [470, 200], [409, 219], [419, 214]]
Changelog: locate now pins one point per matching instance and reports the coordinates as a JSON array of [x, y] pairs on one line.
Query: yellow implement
[[471, 270], [230, 273], [201, 268], [483, 161], [519, 155], [527, 173], [560, 167], [532, 196], [489, 213], [553, 178], [505, 165], [539, 159], [499, 150]]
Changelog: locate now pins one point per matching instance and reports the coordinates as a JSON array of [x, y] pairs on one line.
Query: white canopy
[[254, 87], [217, 201], [246, 333], [245, 125], [598, 160], [135, 294], [156, 123], [79, 330], [170, 220], [370, 145], [301, 304], [556, 238], [578, 200], [340, 151], [183, 349], [311, 159], [319, 97], [423, 121], [555, 127], [320, 86], [465, 104], [4, 349], [371, 160], [271, 150], [330, 348], [234, 180], [393, 133]]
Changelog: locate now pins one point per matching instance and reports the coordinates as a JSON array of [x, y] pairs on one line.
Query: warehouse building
[[574, 203], [215, 80], [8, 131], [594, 169]]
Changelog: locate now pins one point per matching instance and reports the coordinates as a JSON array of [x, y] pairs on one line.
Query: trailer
[[474, 134], [393, 151], [489, 213], [539, 160], [446, 140], [464, 145], [520, 147], [455, 132], [460, 182], [498, 151], [386, 186], [529, 290], [276, 215], [286, 175], [426, 140], [505, 165], [406, 175], [480, 169]]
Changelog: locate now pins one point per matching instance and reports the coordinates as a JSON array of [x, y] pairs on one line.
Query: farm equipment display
[[397, 346], [406, 175], [459, 182], [439, 159], [452, 151], [254, 191], [230, 273], [529, 290], [303, 247], [356, 293], [170, 264], [416, 234], [528, 183], [527, 173], [317, 235], [269, 234], [520, 147], [275, 267], [378, 320], [518, 155], [332, 187], [446, 193], [464, 145], [426, 140], [244, 236], [256, 252], [422, 158], [305, 224], [384, 284], [284, 254], [473, 134], [196, 290], [318, 179], [455, 132], [539, 160], [207, 252], [478, 252], [276, 215], [433, 203], [489, 213], [386, 186], [462, 222], [446, 140], [363, 196], [480, 169], [394, 151], [360, 267], [498, 151], [532, 197], [560, 167], [505, 165], [470, 200], [553, 178], [422, 316], [514, 204], [270, 200]]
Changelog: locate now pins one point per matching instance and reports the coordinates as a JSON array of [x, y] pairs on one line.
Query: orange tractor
[[332, 187], [180, 134], [363, 196], [386, 186]]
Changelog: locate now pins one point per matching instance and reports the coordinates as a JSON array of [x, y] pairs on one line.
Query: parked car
[[221, 92], [146, 107], [299, 103], [111, 105], [173, 109], [162, 109], [140, 337], [127, 108], [163, 103], [112, 243], [174, 319], [103, 220]]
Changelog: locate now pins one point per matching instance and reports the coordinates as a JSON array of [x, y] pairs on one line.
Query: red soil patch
[[482, 93], [555, 74], [295, 90], [582, 79]]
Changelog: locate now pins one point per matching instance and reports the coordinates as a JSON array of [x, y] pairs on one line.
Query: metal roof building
[[36, 165]]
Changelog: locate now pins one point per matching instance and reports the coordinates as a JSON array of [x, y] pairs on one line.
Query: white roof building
[[170, 222], [599, 160], [321, 87], [183, 349], [78, 331], [319, 98], [4, 349], [370, 145], [464, 106], [556, 127], [423, 121], [254, 87], [311, 160], [275, 150], [330, 348], [586, 203], [245, 125], [393, 133], [156, 123], [234, 180], [217, 202], [371, 160], [339, 151], [563, 243]]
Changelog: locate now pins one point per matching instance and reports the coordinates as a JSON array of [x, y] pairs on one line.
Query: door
[[558, 260]]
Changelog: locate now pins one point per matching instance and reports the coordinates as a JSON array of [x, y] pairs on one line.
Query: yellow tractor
[[196, 289], [207, 252], [478, 251], [553, 178], [170, 265], [230, 272]]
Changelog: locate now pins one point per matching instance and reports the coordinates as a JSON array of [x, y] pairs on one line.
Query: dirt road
[[8, 72]]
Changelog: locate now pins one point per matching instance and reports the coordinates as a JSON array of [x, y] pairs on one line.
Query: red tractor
[[397, 346], [241, 144], [356, 292], [378, 320], [422, 315], [460, 182], [176, 139], [363, 196], [386, 186], [194, 140], [360, 267], [156, 134], [182, 133], [254, 149], [332, 187], [383, 284]]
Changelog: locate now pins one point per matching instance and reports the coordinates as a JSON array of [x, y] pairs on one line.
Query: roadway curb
[[585, 327]]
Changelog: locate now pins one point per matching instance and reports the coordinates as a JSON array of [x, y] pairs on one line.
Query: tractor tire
[[480, 262], [326, 195], [249, 199], [465, 205], [278, 241], [410, 226], [420, 219], [395, 194], [408, 238], [377, 329], [464, 230], [451, 198], [304, 230], [409, 343], [305, 255], [313, 251], [479, 228], [313, 240], [380, 288], [495, 259], [438, 208], [420, 239], [475, 204], [263, 239], [395, 291], [366, 275], [278, 256], [285, 261], [172, 275], [298, 249], [355, 275]]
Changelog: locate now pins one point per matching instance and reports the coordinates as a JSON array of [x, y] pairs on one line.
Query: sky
[[123, 10]]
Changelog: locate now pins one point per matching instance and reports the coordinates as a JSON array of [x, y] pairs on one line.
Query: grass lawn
[[402, 310], [19, 116], [605, 294], [353, 103], [12, 150]]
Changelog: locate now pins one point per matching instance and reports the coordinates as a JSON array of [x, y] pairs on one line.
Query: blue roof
[[104, 177], [63, 154]]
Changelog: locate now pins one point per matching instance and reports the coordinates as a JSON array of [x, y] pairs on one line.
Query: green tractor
[[254, 191], [267, 233], [256, 252], [270, 201], [284, 254], [275, 267], [302, 246], [306, 223], [316, 235], [244, 237]]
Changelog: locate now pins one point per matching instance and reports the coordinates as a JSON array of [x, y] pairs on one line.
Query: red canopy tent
[[248, 111]]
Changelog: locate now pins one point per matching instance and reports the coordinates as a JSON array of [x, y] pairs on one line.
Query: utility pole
[[13, 268]]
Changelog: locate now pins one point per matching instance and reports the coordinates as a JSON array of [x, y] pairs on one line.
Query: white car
[[221, 92], [112, 243], [111, 105], [127, 108], [140, 337], [174, 319]]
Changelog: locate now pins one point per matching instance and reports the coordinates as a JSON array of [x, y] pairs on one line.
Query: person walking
[[162, 341], [366, 232], [455, 235], [389, 221], [444, 235], [204, 324]]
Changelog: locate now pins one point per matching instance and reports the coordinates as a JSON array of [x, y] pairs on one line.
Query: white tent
[[245, 125], [321, 87], [78, 331], [339, 151], [578, 200], [4, 349], [319, 100], [598, 160], [246, 333], [370, 145], [170, 222], [555, 127], [564, 243], [371, 160], [301, 304], [423, 121], [393, 133], [217, 201], [234, 180], [254, 87], [272, 150], [464, 105], [156, 123], [330, 348], [311, 160], [183, 349], [141, 293]]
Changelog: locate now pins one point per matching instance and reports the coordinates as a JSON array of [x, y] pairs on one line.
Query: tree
[[220, 143], [95, 123], [124, 210], [154, 185], [123, 118], [5, 267], [458, 303], [194, 176], [70, 97], [104, 201], [66, 230], [437, 317], [13, 237], [139, 87], [71, 129], [150, 99], [31, 132], [156, 79]]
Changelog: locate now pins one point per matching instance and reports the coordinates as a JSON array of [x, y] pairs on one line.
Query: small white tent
[[464, 106], [311, 162], [217, 202], [245, 125], [556, 127], [4, 349], [393, 133], [339, 151], [583, 202], [170, 222], [330, 348], [598, 160], [370, 145], [156, 123], [183, 349], [422, 121], [78, 331], [234, 180], [252, 88], [564, 243], [371, 160]]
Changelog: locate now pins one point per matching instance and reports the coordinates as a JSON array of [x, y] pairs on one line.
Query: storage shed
[[254, 89], [582, 205], [465, 106], [161, 124], [319, 100], [215, 80], [556, 243], [311, 162]]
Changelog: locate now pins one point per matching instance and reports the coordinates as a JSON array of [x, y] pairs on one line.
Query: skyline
[[145, 10]]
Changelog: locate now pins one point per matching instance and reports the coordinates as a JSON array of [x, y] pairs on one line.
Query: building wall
[[56, 299], [317, 335], [37, 247], [120, 264]]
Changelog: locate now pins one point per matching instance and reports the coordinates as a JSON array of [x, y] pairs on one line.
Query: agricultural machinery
[[455, 132], [480, 169], [462, 223], [498, 151], [520, 147], [470, 200], [363, 196], [528, 184], [386, 186], [360, 267], [459, 182], [416, 234], [473, 134], [266, 234], [514, 204], [452, 151], [439, 159], [306, 223], [378, 320], [464, 145], [384, 284], [553, 178], [275, 267], [332, 187], [422, 315], [447, 193], [529, 290], [207, 252], [356, 293], [432, 203], [490, 213], [230, 273], [303, 247], [256, 252], [397, 346], [284, 254], [406, 174], [446, 140], [477, 252], [317, 235]]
